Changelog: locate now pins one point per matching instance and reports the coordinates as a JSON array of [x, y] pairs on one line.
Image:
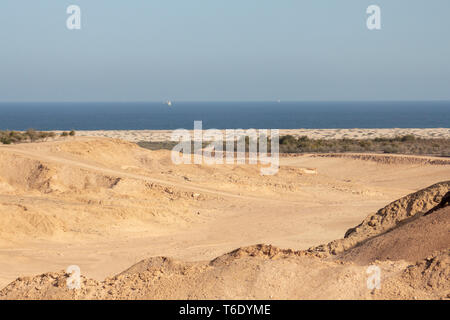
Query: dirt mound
[[243, 277], [426, 279], [161, 264], [44, 198], [432, 273], [256, 272], [24, 174], [411, 241], [261, 251], [49, 286], [169, 265], [388, 217], [105, 151]]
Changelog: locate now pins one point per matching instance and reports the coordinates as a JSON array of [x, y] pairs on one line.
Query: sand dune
[[165, 135], [106, 204]]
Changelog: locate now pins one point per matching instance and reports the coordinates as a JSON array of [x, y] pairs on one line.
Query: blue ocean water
[[222, 115]]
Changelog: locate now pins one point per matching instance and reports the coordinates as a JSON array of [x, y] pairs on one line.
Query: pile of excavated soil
[[412, 241], [426, 279], [259, 272], [388, 217]]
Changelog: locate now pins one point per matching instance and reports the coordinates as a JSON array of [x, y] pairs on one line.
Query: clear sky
[[216, 50]]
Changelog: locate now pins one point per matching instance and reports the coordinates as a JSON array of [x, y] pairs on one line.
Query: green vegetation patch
[[407, 144], [31, 135]]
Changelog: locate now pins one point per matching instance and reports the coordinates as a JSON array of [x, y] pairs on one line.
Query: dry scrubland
[[407, 145], [433, 142], [326, 134], [140, 227], [31, 135]]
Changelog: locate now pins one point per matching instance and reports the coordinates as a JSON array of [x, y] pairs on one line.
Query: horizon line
[[226, 101]]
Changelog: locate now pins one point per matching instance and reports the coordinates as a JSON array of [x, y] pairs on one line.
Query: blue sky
[[211, 50]]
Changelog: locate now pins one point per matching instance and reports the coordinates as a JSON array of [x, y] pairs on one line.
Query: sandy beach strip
[[165, 135]]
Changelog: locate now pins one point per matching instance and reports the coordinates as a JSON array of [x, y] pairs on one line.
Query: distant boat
[[169, 103]]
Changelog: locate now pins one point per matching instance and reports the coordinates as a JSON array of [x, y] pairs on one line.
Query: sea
[[223, 115]]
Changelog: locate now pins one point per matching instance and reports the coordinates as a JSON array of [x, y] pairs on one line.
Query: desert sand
[[140, 227], [165, 135]]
